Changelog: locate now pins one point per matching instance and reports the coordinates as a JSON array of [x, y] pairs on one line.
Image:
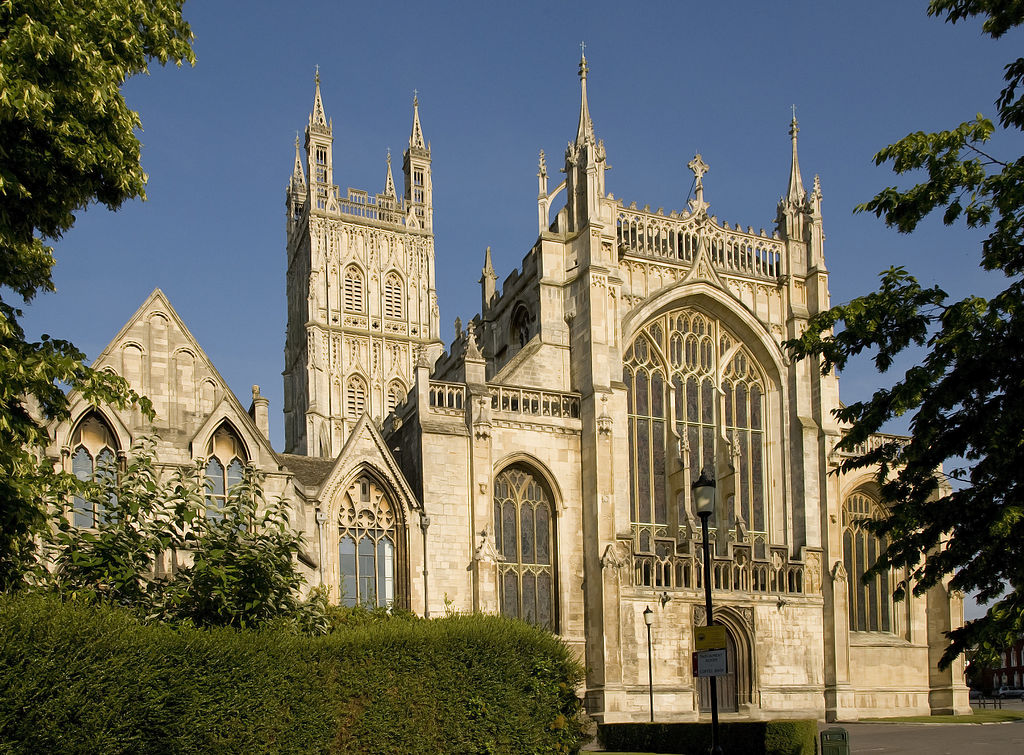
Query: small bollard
[[835, 741]]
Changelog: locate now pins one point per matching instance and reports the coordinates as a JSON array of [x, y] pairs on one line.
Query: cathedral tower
[[361, 293]]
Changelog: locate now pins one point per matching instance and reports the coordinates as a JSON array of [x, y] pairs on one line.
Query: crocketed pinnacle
[[585, 131], [318, 117], [298, 175], [416, 137], [796, 184], [389, 182]]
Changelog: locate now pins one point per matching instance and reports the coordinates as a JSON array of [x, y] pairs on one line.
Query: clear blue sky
[[497, 83]]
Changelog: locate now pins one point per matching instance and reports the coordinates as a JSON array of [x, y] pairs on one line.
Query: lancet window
[[355, 397], [93, 457], [524, 535], [353, 290], [393, 296], [369, 546], [225, 466], [870, 605], [396, 395], [688, 377]]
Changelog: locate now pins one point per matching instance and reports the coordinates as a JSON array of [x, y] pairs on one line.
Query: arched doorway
[[728, 688]]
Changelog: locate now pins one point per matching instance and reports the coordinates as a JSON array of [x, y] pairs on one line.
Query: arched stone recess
[[526, 527], [739, 624], [80, 410], [230, 411], [349, 511], [538, 467], [748, 336]]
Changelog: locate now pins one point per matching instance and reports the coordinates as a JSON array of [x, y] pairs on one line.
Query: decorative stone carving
[[838, 572], [747, 612], [485, 551], [616, 555], [699, 615], [812, 578]]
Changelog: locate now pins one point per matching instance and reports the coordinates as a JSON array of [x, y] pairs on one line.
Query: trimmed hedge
[[784, 737], [86, 680]]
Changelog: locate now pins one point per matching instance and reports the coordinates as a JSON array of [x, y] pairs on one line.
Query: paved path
[[935, 739]]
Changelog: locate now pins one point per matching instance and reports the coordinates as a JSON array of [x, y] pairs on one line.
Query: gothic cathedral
[[540, 465]]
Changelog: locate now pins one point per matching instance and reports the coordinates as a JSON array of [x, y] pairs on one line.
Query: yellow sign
[[709, 638]]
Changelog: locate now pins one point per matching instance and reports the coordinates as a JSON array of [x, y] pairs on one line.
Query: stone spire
[[389, 182], [796, 185], [317, 118], [298, 175], [416, 137], [585, 130]]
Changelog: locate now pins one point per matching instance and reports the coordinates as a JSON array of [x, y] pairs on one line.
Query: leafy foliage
[[235, 569], [85, 679], [782, 737], [965, 395], [67, 138]]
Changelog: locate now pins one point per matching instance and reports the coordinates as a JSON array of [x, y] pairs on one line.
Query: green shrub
[[88, 679], [786, 737]]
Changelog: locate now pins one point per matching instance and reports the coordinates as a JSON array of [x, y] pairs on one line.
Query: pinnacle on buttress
[[298, 175], [416, 137], [318, 117], [796, 185], [389, 182], [585, 130], [488, 270]]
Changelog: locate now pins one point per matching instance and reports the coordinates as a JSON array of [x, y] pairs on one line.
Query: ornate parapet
[[680, 567], [535, 403]]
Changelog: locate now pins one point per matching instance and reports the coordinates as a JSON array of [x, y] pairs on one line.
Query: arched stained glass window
[[393, 299], [225, 465], [369, 547], [686, 368], [870, 605], [352, 290], [524, 535], [93, 457]]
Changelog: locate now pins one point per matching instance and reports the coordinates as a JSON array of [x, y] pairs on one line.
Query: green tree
[[67, 139], [966, 396], [156, 550]]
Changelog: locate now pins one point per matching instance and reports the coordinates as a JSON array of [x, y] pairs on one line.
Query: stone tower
[[361, 293]]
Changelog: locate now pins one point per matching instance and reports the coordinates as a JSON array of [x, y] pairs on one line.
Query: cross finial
[[415, 96], [794, 112], [699, 168], [583, 49]]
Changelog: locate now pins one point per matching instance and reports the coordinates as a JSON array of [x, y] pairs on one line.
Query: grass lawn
[[979, 716]]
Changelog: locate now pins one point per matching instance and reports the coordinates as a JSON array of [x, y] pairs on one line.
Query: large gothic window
[[93, 457], [369, 546], [524, 536], [225, 465], [870, 605], [352, 290], [393, 296], [686, 371]]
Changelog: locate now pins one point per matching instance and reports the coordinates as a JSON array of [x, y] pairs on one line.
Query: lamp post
[[704, 502], [648, 620]]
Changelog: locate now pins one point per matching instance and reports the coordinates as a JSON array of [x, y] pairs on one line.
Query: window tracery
[[93, 457], [225, 466], [685, 372], [369, 547], [396, 395], [525, 537], [870, 605]]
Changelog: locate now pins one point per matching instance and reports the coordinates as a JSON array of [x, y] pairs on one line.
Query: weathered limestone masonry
[[540, 467]]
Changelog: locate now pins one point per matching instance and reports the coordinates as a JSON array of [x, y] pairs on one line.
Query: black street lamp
[[648, 620], [704, 502]]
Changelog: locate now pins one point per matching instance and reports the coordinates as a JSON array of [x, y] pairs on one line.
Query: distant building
[[540, 465]]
